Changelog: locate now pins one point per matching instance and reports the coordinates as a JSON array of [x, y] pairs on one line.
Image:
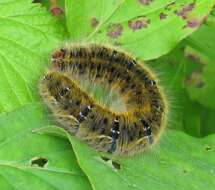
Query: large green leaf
[[22, 151], [180, 162], [177, 162], [27, 36], [147, 28]]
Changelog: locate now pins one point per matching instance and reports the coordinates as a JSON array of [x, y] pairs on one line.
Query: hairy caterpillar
[[133, 113]]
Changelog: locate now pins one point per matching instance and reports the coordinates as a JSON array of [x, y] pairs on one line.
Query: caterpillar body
[[128, 122]]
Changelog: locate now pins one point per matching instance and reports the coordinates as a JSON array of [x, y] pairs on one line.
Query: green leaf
[[186, 114], [150, 169], [201, 81], [178, 162], [20, 146], [56, 9], [191, 117], [149, 30], [171, 71], [207, 122], [27, 35]]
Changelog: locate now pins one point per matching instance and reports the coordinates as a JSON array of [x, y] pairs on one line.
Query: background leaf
[[201, 81], [149, 29], [27, 36], [186, 74]]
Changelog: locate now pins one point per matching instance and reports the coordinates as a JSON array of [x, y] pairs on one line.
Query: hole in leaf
[[208, 148], [39, 161], [116, 165], [105, 158]]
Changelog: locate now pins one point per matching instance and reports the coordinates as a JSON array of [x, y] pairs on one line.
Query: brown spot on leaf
[[194, 57], [200, 84], [56, 11], [39, 161], [208, 148], [114, 30], [145, 2], [105, 158], [185, 10], [94, 22], [195, 79], [163, 16], [138, 23], [194, 23]]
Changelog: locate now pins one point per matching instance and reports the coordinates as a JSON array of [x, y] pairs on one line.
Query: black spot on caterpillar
[[132, 113]]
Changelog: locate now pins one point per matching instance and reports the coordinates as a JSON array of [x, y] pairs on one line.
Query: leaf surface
[[147, 28], [27, 36], [178, 162], [30, 160]]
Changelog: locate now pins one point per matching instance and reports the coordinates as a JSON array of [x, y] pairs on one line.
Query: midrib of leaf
[[24, 167], [105, 20]]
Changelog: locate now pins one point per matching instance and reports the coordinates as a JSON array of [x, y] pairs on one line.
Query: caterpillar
[[133, 113]]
